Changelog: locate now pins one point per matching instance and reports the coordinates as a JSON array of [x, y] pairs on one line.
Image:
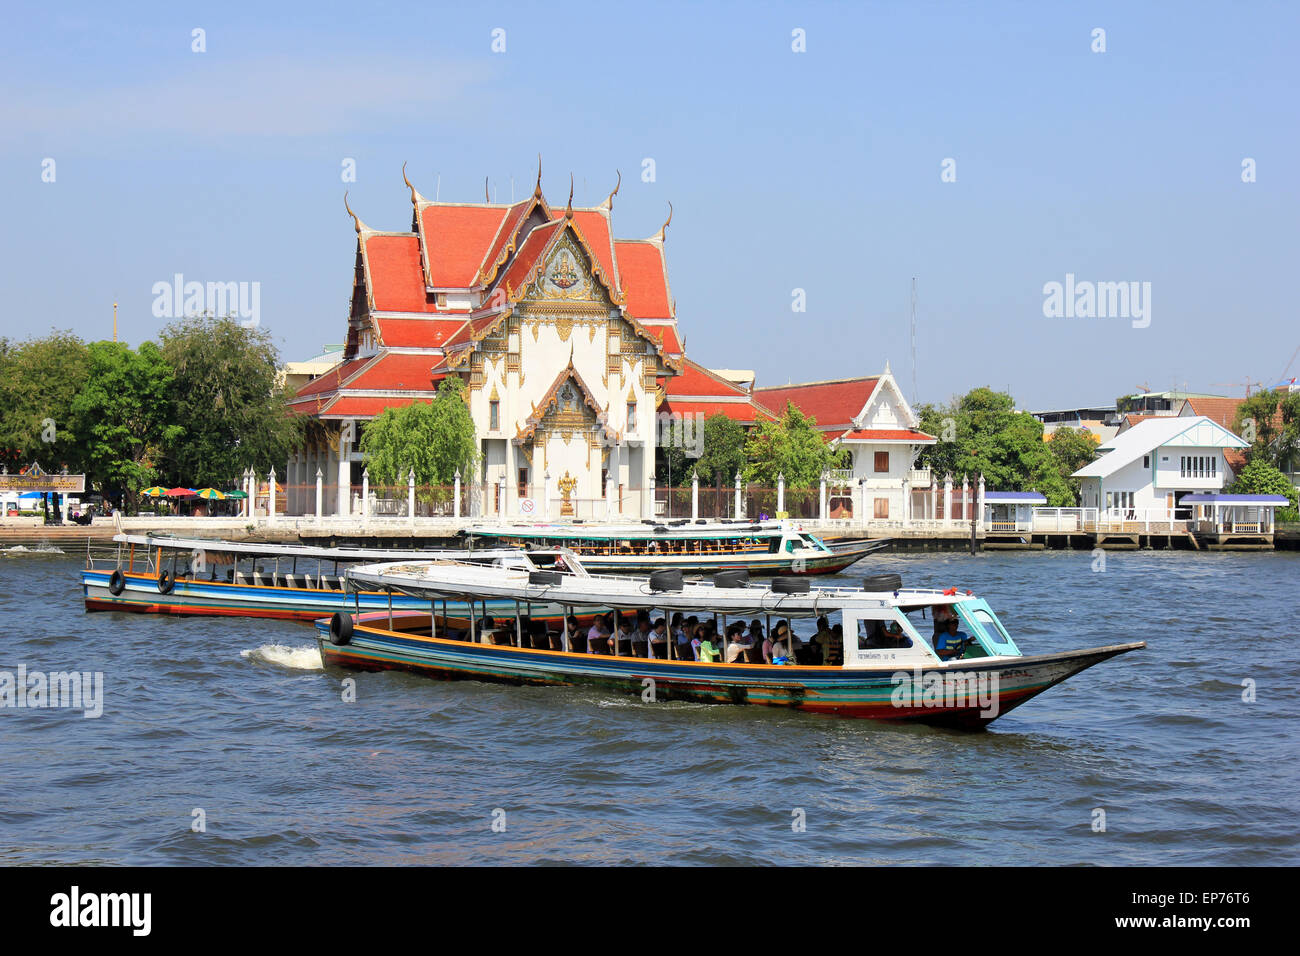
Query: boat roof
[[269, 549], [677, 528], [460, 581]]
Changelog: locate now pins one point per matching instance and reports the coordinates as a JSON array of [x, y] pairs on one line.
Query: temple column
[[345, 473]]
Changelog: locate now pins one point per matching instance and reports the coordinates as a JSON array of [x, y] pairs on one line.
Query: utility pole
[[114, 321]]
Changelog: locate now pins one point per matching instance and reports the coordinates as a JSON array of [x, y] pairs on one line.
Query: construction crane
[[1247, 383]]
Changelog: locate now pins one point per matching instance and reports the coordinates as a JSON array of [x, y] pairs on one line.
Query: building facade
[[560, 332]]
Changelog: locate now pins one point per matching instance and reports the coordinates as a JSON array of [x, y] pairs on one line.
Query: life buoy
[[116, 583], [166, 582], [340, 629]]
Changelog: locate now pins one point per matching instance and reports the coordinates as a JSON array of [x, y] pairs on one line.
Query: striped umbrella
[[155, 491], [211, 494]]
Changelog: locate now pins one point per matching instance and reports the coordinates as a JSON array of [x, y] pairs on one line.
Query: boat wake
[[282, 655], [21, 549]]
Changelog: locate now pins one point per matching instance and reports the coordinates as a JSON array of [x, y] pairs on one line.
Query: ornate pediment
[[567, 275]]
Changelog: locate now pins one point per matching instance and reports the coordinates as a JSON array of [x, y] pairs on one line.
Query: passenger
[[598, 637], [755, 653], [738, 643], [780, 649], [659, 640], [952, 642], [895, 636], [681, 638], [709, 650], [624, 638], [830, 642], [577, 639], [641, 637], [697, 638]]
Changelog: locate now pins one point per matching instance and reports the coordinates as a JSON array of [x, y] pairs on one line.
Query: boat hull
[[757, 563], [877, 693]]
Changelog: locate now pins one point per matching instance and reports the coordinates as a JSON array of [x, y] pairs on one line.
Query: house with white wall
[[870, 417], [1158, 462]]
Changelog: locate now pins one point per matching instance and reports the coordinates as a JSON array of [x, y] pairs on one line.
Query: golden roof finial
[[660, 234], [415, 196], [355, 220], [537, 190], [568, 210], [609, 200]]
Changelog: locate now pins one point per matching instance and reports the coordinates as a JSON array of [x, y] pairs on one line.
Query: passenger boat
[[903, 678], [170, 575], [760, 547]]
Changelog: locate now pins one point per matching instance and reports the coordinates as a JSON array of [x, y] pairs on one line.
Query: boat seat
[[266, 580], [289, 580], [329, 582]]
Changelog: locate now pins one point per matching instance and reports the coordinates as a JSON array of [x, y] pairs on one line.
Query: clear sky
[[818, 170]]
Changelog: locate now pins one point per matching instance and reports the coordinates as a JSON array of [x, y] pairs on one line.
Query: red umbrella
[[182, 493]]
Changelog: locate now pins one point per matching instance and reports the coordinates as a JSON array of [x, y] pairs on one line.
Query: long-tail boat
[[886, 665], [780, 547], [159, 574]]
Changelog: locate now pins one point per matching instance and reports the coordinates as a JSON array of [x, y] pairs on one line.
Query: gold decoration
[[567, 484]]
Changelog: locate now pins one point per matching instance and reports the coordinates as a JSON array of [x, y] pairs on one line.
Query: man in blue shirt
[[950, 642]]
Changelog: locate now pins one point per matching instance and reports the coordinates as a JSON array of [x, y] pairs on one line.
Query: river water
[[223, 741]]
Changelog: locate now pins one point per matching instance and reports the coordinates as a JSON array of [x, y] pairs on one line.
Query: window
[[523, 483], [882, 505], [1146, 461], [631, 416], [494, 416], [882, 461]]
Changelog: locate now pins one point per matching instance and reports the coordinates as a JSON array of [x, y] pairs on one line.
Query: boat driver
[[950, 642]]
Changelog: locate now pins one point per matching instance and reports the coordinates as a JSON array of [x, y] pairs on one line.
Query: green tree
[[1071, 449], [228, 401], [791, 447], [434, 438], [39, 379], [724, 450], [122, 416], [981, 433], [1262, 477], [1272, 420]]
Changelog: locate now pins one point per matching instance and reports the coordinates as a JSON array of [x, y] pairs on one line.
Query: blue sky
[[817, 170]]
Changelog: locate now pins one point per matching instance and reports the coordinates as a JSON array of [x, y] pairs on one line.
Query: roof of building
[[700, 391], [910, 436], [1147, 435], [834, 404], [1019, 496]]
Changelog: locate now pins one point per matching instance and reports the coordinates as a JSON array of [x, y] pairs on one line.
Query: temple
[[566, 338]]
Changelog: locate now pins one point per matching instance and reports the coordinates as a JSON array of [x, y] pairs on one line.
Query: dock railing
[[1125, 520]]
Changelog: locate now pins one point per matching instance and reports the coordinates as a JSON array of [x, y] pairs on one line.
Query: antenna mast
[[914, 340]]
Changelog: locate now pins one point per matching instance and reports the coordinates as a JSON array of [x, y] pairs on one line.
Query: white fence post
[[456, 494], [821, 501], [695, 496], [737, 494], [780, 493], [320, 491], [410, 495], [270, 501]]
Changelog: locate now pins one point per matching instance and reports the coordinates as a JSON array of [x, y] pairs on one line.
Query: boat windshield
[[961, 630]]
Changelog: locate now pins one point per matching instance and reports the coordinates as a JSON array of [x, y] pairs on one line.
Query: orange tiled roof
[[833, 403]]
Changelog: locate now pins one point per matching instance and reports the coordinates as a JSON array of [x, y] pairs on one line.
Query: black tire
[[166, 582], [341, 629], [666, 580], [116, 583], [790, 586], [883, 582], [737, 578], [545, 578]]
